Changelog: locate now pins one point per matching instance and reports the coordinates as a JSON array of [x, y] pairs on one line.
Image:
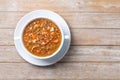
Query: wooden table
[[95, 48]]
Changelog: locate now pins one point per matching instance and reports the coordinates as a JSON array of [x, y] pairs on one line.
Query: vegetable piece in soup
[[42, 37]]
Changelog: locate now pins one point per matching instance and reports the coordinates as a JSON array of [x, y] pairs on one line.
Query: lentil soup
[[42, 37]]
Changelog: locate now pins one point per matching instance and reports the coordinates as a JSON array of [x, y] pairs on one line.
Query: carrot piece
[[33, 36], [45, 33], [52, 33], [56, 41]]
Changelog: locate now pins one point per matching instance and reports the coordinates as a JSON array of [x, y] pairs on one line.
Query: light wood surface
[[95, 48]]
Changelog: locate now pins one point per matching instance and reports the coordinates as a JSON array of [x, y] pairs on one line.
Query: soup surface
[[42, 37]]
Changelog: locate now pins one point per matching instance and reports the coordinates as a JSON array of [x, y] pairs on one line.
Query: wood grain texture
[[95, 48], [87, 71], [62, 5], [79, 54], [74, 19]]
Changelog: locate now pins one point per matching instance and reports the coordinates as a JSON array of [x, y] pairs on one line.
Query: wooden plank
[[95, 36], [61, 5], [92, 54], [83, 54], [79, 36], [6, 36], [9, 54], [87, 71], [74, 19], [20, 5]]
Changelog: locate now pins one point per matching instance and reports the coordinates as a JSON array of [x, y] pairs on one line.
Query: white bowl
[[41, 14], [33, 18]]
